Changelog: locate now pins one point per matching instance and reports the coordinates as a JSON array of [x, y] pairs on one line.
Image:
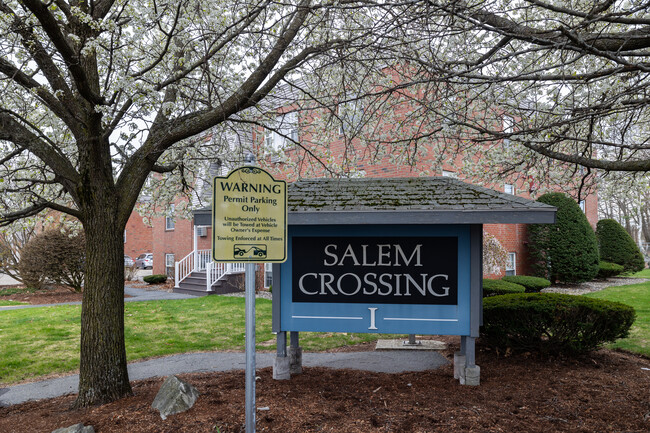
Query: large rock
[[77, 428], [175, 396]]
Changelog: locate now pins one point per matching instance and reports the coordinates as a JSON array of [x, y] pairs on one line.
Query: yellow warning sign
[[249, 217]]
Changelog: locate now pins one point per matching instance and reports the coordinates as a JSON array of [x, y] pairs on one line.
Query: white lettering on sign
[[372, 318], [375, 270], [350, 284], [387, 255]]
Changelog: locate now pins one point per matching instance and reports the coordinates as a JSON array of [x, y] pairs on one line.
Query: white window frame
[[509, 188], [448, 173], [268, 275], [508, 128], [511, 264], [286, 130], [170, 224], [350, 115], [124, 235], [169, 267], [582, 205]]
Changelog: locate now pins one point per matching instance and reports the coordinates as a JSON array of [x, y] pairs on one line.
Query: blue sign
[[402, 280]]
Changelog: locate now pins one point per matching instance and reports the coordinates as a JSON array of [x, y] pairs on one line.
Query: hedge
[[532, 284], [155, 279], [566, 251], [552, 323], [500, 287], [607, 269], [617, 246]]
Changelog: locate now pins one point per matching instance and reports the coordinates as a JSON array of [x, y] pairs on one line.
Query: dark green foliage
[[566, 251], [553, 324], [607, 269], [617, 246], [499, 287], [532, 284], [155, 279], [54, 256]]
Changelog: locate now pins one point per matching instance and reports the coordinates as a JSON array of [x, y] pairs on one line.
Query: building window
[[169, 265], [509, 188], [581, 203], [268, 275], [511, 264], [447, 173], [124, 235], [508, 128], [351, 116], [169, 219], [285, 133]]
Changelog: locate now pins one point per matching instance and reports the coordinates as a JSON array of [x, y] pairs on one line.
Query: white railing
[[200, 260], [203, 258], [194, 261], [184, 268], [216, 271]]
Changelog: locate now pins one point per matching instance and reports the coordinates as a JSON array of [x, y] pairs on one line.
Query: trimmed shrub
[[532, 284], [566, 251], [617, 246], [552, 323], [500, 287], [155, 279], [54, 255], [607, 269]]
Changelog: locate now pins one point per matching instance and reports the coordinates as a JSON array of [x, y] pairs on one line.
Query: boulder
[[175, 396], [77, 428]]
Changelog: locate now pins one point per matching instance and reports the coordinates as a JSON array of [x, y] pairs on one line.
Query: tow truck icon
[[250, 251]]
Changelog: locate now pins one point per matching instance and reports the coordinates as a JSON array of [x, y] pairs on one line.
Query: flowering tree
[[494, 255], [537, 81], [96, 95]]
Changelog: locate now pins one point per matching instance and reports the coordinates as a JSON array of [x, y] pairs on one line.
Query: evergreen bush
[[552, 323], [155, 279], [532, 284], [607, 269], [617, 246], [566, 251], [56, 256], [500, 287]]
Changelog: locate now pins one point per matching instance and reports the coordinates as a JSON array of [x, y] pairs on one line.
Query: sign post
[[249, 224]]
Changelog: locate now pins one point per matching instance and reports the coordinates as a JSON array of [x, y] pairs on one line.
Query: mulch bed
[[53, 295], [604, 392]]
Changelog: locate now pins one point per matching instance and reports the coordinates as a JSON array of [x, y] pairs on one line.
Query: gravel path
[[593, 286]]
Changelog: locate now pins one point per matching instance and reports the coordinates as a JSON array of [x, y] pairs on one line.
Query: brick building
[[173, 241], [138, 236]]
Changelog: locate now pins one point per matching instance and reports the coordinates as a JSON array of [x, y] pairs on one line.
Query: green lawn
[[641, 274], [5, 303], [41, 341], [638, 296]]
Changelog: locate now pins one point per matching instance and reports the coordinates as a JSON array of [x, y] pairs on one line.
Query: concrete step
[[195, 285], [192, 291], [194, 280]]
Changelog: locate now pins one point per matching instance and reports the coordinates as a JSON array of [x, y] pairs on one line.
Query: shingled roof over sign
[[414, 200], [408, 200]]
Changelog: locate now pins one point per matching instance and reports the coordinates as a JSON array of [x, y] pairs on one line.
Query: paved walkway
[[383, 362]]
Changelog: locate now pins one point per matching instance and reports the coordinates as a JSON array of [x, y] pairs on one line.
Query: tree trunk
[[103, 374]]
